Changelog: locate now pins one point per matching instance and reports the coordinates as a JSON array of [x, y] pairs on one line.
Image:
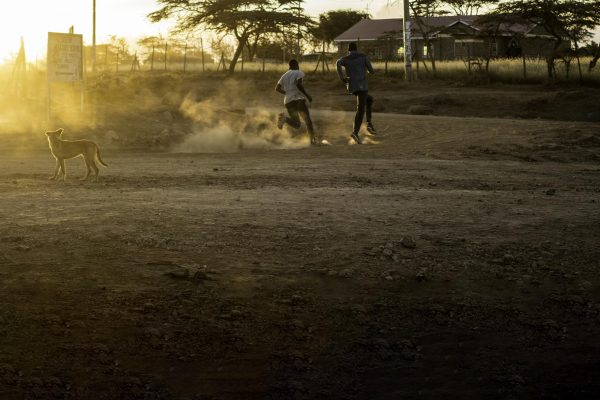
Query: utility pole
[[94, 38], [299, 9], [407, 49]]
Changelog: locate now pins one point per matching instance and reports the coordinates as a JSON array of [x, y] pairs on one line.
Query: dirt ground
[[450, 257]]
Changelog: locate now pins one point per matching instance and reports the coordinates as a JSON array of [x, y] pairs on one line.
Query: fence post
[[166, 49], [185, 58], [202, 48], [323, 58], [152, 60]]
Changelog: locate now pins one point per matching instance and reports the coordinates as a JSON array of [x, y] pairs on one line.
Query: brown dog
[[65, 149]]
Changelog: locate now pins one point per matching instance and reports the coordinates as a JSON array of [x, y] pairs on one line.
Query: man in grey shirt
[[356, 65]]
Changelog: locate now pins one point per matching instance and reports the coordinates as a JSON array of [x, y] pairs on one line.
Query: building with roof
[[450, 38]]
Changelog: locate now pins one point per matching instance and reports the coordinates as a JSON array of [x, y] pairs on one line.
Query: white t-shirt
[[289, 82]]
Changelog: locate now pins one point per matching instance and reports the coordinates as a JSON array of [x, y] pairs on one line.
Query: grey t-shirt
[[356, 64]]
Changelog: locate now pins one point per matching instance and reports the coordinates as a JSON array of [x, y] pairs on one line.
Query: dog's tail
[[98, 157]]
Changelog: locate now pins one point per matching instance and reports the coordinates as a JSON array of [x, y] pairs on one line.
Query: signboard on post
[[65, 57], [64, 61]]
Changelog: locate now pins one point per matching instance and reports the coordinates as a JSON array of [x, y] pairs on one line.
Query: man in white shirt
[[290, 84]]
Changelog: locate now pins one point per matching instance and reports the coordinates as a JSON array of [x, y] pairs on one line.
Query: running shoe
[[371, 129], [280, 120], [356, 137]]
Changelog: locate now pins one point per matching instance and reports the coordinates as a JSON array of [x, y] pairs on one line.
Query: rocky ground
[[450, 257]]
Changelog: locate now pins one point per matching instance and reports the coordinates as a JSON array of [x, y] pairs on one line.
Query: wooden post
[[323, 58], [407, 42], [524, 68], [263, 60], [94, 37], [317, 66], [152, 59], [49, 104], [135, 64], [117, 60], [166, 49], [222, 61], [202, 48], [185, 58]]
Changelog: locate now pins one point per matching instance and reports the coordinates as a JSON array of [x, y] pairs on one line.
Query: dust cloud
[[220, 127]]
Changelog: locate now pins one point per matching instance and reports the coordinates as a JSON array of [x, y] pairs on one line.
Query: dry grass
[[502, 70]]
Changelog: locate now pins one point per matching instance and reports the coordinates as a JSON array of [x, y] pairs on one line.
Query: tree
[[562, 19], [468, 7], [491, 27], [119, 43], [121, 49], [151, 46], [334, 23], [594, 50], [243, 19], [422, 11]]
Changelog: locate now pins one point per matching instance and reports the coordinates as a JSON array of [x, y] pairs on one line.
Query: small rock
[[297, 324], [296, 299], [508, 258], [76, 324], [133, 381], [153, 332], [101, 348], [551, 324], [594, 116], [178, 274], [201, 276], [346, 273], [36, 382], [408, 242], [381, 343], [7, 369], [550, 192], [112, 136], [167, 116], [420, 110], [358, 308], [516, 380], [421, 275]]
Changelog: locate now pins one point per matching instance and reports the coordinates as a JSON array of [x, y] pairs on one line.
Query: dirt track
[[446, 261]]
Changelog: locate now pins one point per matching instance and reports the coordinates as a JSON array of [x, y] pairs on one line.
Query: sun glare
[[33, 19]]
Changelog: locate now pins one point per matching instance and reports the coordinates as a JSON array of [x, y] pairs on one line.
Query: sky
[[33, 19]]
